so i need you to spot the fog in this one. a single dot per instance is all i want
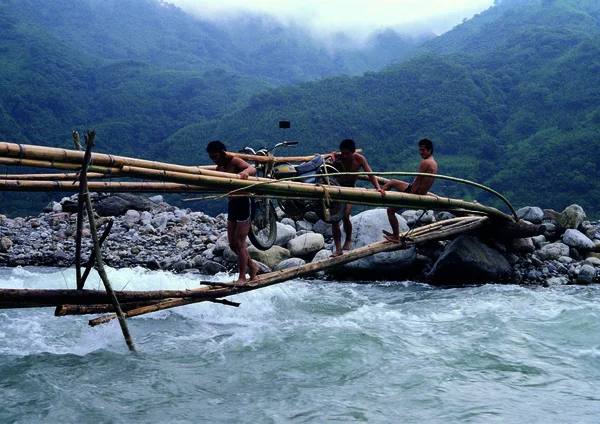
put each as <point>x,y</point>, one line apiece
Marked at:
<point>355,18</point>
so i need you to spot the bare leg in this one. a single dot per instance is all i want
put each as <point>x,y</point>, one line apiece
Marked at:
<point>337,239</point>
<point>395,237</point>
<point>238,245</point>
<point>347,228</point>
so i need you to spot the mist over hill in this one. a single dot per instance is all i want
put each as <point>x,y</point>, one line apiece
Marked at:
<point>510,97</point>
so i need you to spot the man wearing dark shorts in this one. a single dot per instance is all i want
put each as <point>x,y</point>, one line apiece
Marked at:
<point>348,161</point>
<point>420,185</point>
<point>238,209</point>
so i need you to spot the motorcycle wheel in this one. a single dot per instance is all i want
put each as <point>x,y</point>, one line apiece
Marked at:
<point>263,224</point>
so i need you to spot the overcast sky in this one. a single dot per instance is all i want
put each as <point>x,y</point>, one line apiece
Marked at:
<point>351,16</point>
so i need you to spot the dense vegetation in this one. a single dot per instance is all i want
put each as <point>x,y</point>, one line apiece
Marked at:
<point>511,98</point>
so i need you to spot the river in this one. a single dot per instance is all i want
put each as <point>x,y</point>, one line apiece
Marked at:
<point>307,351</point>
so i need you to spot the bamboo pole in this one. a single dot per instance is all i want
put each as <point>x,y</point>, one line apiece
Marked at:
<point>49,164</point>
<point>102,186</point>
<point>54,177</point>
<point>80,200</point>
<point>99,262</point>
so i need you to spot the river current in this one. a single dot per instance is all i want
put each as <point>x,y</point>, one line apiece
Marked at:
<point>307,351</point>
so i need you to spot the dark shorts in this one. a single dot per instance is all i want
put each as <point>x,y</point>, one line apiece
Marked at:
<point>407,189</point>
<point>238,209</point>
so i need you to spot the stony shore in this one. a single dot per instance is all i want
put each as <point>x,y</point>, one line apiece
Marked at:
<point>150,233</point>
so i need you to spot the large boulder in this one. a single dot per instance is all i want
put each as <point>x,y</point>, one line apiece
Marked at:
<point>119,204</point>
<point>552,251</point>
<point>571,217</point>
<point>578,240</point>
<point>467,260</point>
<point>284,234</point>
<point>271,257</point>
<point>367,228</point>
<point>306,244</point>
<point>532,214</point>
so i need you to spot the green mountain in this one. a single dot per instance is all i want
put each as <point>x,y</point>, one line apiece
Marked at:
<point>510,98</point>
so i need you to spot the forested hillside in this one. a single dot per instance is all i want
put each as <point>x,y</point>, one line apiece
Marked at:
<point>138,71</point>
<point>510,98</point>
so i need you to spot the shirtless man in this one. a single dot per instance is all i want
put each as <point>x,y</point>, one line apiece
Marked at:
<point>420,185</point>
<point>238,209</point>
<point>348,161</point>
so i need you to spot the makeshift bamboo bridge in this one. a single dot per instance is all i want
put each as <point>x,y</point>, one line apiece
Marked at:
<point>96,172</point>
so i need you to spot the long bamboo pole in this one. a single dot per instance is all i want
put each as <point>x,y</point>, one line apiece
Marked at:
<point>102,186</point>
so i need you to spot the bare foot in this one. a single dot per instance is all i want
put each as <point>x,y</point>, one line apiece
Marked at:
<point>392,238</point>
<point>240,282</point>
<point>253,271</point>
<point>336,254</point>
<point>347,245</point>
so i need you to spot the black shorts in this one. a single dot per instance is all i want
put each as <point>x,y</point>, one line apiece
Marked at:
<point>407,189</point>
<point>238,209</point>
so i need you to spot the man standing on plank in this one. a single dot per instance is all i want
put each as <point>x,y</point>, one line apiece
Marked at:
<point>348,161</point>
<point>238,209</point>
<point>420,185</point>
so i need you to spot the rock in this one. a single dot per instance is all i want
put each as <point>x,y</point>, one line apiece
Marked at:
<point>321,254</point>
<point>532,214</point>
<point>593,261</point>
<point>552,251</point>
<point>160,220</point>
<point>306,244</point>
<point>262,268</point>
<point>271,257</point>
<point>303,225</point>
<point>578,240</point>
<point>522,245</point>
<point>571,217</point>
<point>131,216</point>
<point>311,217</point>
<point>556,281</point>
<point>288,221</point>
<point>367,229</point>
<point>179,266</point>
<point>212,268</point>
<point>467,260</point>
<point>413,217</point>
<point>146,218</point>
<point>587,275</point>
<point>118,204</point>
<point>289,263</point>
<point>284,234</point>
<point>5,244</point>
<point>324,228</point>
<point>221,244</point>
<point>229,255</point>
